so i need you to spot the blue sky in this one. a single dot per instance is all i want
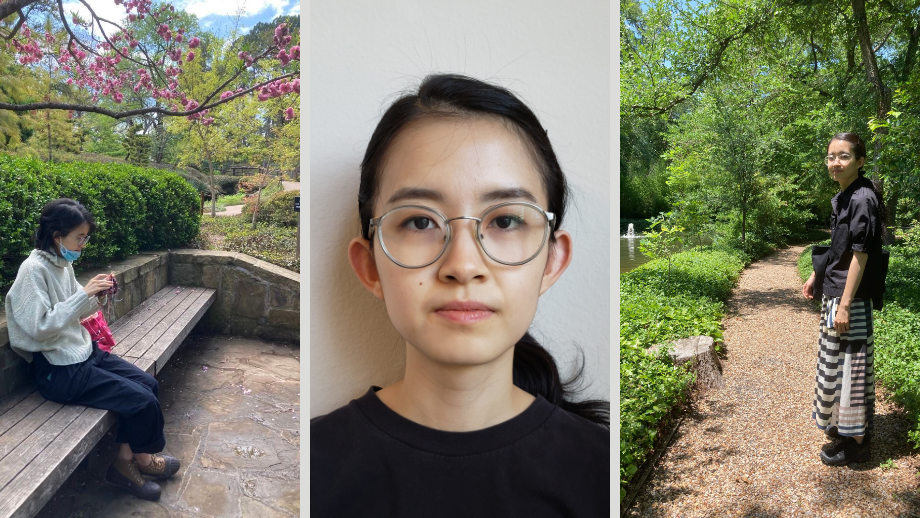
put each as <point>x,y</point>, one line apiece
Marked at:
<point>217,16</point>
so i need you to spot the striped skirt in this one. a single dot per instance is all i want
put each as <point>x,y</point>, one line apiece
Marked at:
<point>845,379</point>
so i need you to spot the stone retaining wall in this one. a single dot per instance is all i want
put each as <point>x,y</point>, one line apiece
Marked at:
<point>254,298</point>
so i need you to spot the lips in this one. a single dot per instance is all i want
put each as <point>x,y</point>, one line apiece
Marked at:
<point>464,311</point>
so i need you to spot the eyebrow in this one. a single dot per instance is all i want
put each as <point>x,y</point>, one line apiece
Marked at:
<point>511,193</point>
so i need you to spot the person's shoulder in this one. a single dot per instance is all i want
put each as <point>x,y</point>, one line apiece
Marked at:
<point>338,426</point>
<point>580,432</point>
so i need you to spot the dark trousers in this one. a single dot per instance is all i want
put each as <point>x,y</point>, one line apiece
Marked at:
<point>108,382</point>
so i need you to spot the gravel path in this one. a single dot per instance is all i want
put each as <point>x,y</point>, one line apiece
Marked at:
<point>751,448</point>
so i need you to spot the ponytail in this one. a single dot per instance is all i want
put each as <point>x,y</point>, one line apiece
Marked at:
<point>535,371</point>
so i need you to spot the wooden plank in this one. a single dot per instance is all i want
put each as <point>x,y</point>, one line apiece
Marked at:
<point>21,430</point>
<point>175,335</point>
<point>154,301</point>
<point>25,495</point>
<point>14,398</point>
<point>20,411</point>
<point>154,334</point>
<point>124,342</point>
<point>36,442</point>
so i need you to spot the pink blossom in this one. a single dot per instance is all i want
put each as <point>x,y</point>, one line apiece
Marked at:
<point>190,56</point>
<point>295,52</point>
<point>289,113</point>
<point>193,43</point>
<point>283,57</point>
<point>226,94</point>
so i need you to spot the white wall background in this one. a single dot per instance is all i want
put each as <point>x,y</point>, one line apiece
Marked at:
<point>363,54</point>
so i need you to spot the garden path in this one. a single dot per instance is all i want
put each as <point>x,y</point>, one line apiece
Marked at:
<point>751,448</point>
<point>234,210</point>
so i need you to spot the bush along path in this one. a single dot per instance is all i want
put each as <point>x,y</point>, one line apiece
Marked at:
<point>751,448</point>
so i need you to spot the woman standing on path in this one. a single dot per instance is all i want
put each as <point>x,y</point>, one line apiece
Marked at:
<point>845,381</point>
<point>44,308</point>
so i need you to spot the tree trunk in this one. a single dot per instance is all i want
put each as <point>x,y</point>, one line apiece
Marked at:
<point>882,92</point>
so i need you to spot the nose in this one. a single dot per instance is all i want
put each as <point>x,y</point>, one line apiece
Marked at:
<point>464,260</point>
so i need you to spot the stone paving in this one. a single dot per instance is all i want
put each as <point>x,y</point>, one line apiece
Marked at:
<point>232,408</point>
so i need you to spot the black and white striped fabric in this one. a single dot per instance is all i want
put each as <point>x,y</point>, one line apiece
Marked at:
<point>845,379</point>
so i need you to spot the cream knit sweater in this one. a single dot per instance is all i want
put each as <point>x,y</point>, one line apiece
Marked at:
<point>44,308</point>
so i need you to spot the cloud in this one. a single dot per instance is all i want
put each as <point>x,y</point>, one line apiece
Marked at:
<point>202,8</point>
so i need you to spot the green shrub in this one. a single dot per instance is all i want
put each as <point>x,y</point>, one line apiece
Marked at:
<point>279,209</point>
<point>655,308</point>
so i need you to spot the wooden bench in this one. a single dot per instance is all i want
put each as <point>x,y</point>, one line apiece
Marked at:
<point>42,442</point>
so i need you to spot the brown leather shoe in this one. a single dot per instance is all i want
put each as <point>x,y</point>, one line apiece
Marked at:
<point>124,474</point>
<point>160,467</point>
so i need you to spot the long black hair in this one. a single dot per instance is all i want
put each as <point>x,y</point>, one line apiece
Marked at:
<point>57,219</point>
<point>859,151</point>
<point>450,95</point>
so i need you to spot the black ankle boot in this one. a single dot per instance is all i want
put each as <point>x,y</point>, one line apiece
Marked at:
<point>850,452</point>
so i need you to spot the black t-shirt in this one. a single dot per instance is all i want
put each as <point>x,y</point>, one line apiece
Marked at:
<point>856,225</point>
<point>367,460</point>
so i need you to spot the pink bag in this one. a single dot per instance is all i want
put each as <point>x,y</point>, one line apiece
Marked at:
<point>99,331</point>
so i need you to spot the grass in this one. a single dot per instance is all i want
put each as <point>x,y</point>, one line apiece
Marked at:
<point>271,243</point>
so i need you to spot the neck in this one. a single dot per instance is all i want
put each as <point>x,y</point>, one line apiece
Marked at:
<point>846,182</point>
<point>456,398</point>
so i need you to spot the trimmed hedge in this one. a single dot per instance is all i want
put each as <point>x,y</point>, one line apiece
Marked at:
<point>897,326</point>
<point>135,208</point>
<point>658,304</point>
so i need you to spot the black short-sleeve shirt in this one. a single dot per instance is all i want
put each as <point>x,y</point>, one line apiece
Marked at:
<point>856,225</point>
<point>368,461</point>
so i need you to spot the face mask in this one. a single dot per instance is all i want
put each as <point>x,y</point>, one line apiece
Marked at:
<point>69,255</point>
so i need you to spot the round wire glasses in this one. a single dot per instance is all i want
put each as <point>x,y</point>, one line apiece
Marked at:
<point>510,233</point>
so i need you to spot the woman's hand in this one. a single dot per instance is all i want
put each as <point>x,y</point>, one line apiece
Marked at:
<point>842,319</point>
<point>98,284</point>
<point>808,290</point>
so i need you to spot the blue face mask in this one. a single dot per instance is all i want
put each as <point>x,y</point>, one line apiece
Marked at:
<point>69,255</point>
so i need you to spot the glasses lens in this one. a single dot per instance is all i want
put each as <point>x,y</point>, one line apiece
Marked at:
<point>412,236</point>
<point>513,233</point>
<point>83,240</point>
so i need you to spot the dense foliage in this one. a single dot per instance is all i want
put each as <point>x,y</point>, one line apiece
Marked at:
<point>658,305</point>
<point>727,108</point>
<point>272,243</point>
<point>135,208</point>
<point>897,326</point>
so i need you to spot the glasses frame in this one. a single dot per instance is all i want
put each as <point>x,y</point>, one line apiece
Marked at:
<point>83,240</point>
<point>830,159</point>
<point>548,218</point>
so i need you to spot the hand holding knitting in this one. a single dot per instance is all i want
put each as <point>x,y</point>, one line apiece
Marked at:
<point>98,284</point>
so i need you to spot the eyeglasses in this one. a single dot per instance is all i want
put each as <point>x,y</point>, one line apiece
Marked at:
<point>83,240</point>
<point>415,236</point>
<point>843,157</point>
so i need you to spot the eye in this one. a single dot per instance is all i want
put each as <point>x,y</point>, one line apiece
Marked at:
<point>507,222</point>
<point>418,223</point>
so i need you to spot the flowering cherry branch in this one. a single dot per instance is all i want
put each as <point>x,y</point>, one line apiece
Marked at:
<point>107,60</point>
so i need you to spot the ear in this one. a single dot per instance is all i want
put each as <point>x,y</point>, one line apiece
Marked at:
<point>861,162</point>
<point>560,255</point>
<point>362,262</point>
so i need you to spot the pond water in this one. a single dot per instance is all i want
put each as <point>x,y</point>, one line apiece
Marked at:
<point>630,256</point>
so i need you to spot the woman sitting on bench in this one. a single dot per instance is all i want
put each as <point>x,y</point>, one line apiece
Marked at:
<point>44,308</point>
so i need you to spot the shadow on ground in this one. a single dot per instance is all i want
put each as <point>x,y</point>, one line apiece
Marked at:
<point>232,413</point>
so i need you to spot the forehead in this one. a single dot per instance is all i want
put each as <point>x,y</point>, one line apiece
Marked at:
<point>840,146</point>
<point>462,159</point>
